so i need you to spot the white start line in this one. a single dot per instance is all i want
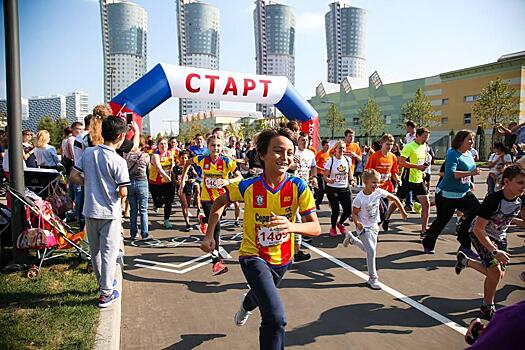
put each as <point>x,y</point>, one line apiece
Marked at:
<point>446,321</point>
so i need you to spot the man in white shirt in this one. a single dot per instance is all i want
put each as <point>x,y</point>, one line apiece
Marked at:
<point>410,127</point>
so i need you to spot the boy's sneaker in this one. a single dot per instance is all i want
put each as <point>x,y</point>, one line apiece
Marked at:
<point>461,262</point>
<point>428,250</point>
<point>333,232</point>
<point>374,283</point>
<point>522,276</point>
<point>342,229</point>
<point>167,224</point>
<point>301,256</point>
<point>188,228</point>
<point>349,239</point>
<point>487,311</point>
<point>156,210</point>
<point>107,300</point>
<point>385,224</point>
<point>473,331</point>
<point>218,268</point>
<point>241,316</point>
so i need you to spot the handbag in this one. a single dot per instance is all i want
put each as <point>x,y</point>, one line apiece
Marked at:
<point>36,238</point>
<point>60,201</point>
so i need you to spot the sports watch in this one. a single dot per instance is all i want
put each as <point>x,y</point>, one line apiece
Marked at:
<point>494,252</point>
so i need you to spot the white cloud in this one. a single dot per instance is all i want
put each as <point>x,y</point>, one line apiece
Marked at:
<point>309,21</point>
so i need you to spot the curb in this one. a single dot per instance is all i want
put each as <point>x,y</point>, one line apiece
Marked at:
<point>108,330</point>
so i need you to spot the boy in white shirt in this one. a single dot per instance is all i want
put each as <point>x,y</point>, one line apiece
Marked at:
<point>365,214</point>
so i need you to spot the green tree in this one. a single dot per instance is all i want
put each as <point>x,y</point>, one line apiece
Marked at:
<point>371,120</point>
<point>482,143</point>
<point>60,125</point>
<point>497,104</point>
<point>419,110</point>
<point>334,119</point>
<point>260,125</point>
<point>47,123</point>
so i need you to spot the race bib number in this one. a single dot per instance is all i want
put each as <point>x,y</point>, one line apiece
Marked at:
<point>384,177</point>
<point>465,180</point>
<point>212,183</point>
<point>268,237</point>
<point>341,178</point>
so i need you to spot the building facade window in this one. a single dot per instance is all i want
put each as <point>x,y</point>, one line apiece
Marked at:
<point>467,118</point>
<point>444,120</point>
<point>355,120</point>
<point>444,101</point>
<point>471,98</point>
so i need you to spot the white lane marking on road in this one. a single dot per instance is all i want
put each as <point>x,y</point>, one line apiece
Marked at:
<point>224,253</point>
<point>173,265</point>
<point>391,291</point>
<point>196,266</point>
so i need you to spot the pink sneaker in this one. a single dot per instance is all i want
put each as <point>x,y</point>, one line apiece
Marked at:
<point>333,232</point>
<point>218,268</point>
<point>342,228</point>
<point>203,228</point>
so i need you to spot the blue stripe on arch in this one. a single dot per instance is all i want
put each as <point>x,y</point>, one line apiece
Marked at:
<point>294,106</point>
<point>145,94</point>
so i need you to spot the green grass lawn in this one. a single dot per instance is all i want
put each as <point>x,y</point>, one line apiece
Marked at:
<point>57,310</point>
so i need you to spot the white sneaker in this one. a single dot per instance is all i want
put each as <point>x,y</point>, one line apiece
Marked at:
<point>374,283</point>
<point>349,239</point>
<point>156,210</point>
<point>242,315</point>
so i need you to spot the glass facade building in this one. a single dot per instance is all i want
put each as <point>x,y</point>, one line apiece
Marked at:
<point>124,39</point>
<point>274,42</point>
<point>345,42</point>
<point>198,38</point>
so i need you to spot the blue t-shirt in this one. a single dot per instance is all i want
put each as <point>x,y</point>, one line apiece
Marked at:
<point>521,135</point>
<point>456,161</point>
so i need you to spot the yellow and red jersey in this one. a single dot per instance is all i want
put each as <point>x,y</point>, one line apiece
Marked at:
<point>386,166</point>
<point>260,201</point>
<point>167,161</point>
<point>222,168</point>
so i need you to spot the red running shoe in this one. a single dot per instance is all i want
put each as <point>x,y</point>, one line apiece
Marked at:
<point>218,268</point>
<point>341,228</point>
<point>473,331</point>
<point>333,232</point>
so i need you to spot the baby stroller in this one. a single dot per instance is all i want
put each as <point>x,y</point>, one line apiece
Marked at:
<point>47,233</point>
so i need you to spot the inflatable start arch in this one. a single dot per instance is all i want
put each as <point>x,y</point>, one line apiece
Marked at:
<point>165,81</point>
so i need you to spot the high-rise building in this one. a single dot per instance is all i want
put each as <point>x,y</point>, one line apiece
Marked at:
<point>345,42</point>
<point>274,42</point>
<point>77,106</point>
<point>198,38</point>
<point>124,42</point>
<point>3,111</point>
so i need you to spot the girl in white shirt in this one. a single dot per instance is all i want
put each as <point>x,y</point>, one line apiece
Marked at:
<point>365,213</point>
<point>337,172</point>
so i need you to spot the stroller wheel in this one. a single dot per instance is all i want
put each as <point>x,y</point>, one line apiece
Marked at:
<point>33,272</point>
<point>89,267</point>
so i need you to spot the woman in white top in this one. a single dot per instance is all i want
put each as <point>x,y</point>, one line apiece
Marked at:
<point>337,175</point>
<point>497,163</point>
<point>46,155</point>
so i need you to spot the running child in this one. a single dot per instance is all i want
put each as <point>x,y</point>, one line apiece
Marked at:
<point>216,169</point>
<point>189,187</point>
<point>365,212</point>
<point>271,203</point>
<point>488,233</point>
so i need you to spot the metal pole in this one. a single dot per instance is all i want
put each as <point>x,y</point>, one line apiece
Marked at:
<point>14,121</point>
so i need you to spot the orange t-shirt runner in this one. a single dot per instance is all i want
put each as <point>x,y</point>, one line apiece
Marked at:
<point>353,148</point>
<point>320,159</point>
<point>386,166</point>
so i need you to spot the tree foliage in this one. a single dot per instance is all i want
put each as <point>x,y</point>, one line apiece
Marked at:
<point>55,129</point>
<point>419,110</point>
<point>497,103</point>
<point>334,120</point>
<point>371,120</point>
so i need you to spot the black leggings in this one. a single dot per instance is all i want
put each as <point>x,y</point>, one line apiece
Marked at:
<point>338,196</point>
<point>446,207</point>
<point>320,190</point>
<point>163,195</point>
<point>206,206</point>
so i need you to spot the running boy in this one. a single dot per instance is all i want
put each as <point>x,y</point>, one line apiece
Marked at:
<point>365,212</point>
<point>488,233</point>
<point>216,169</point>
<point>104,175</point>
<point>188,189</point>
<point>271,203</point>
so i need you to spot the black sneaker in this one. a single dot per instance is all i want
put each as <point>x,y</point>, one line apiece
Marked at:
<point>422,235</point>
<point>187,229</point>
<point>307,239</point>
<point>460,257</point>
<point>487,311</point>
<point>385,224</point>
<point>301,256</point>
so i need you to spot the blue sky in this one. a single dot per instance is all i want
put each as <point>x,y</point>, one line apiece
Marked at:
<point>61,48</point>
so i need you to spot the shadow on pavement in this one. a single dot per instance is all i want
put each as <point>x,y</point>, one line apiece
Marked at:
<point>190,341</point>
<point>368,317</point>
